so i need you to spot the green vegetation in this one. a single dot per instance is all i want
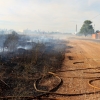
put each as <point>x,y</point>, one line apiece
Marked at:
<point>86,28</point>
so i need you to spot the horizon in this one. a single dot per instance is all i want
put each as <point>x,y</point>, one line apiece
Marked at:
<point>48,15</point>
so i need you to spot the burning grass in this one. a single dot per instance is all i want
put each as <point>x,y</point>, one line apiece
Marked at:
<point>20,68</point>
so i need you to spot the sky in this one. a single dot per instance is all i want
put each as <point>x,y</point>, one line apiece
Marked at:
<point>48,15</point>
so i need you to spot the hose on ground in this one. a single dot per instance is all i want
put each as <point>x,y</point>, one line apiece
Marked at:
<point>51,91</point>
<point>62,94</point>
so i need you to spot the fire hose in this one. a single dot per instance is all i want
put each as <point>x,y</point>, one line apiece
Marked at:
<point>51,91</point>
<point>64,94</point>
<point>90,84</point>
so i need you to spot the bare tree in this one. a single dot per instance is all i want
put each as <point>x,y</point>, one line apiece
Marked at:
<point>11,41</point>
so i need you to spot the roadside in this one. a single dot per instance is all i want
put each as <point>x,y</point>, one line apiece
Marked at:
<point>81,64</point>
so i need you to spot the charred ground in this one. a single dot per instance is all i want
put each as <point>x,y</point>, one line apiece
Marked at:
<point>20,67</point>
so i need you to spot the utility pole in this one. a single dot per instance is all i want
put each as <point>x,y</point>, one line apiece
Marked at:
<point>76,28</point>
<point>94,27</point>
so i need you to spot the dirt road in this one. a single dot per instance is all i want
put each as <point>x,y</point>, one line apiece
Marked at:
<point>81,66</point>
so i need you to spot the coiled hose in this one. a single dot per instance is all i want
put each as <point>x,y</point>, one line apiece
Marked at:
<point>51,91</point>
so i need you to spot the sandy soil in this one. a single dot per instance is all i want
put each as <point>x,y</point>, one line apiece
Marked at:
<point>81,64</point>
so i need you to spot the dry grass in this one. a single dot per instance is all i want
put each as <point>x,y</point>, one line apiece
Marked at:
<point>20,69</point>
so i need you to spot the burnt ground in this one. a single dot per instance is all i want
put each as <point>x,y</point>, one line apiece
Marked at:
<point>80,67</point>
<point>21,68</point>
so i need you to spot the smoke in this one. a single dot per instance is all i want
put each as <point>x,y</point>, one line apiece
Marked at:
<point>27,42</point>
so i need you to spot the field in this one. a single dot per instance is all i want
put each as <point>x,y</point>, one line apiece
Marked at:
<point>20,68</point>
<point>57,70</point>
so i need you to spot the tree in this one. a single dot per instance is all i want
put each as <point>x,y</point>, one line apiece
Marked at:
<point>97,31</point>
<point>11,41</point>
<point>86,28</point>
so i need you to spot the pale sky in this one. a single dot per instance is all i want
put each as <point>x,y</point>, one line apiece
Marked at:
<point>48,15</point>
